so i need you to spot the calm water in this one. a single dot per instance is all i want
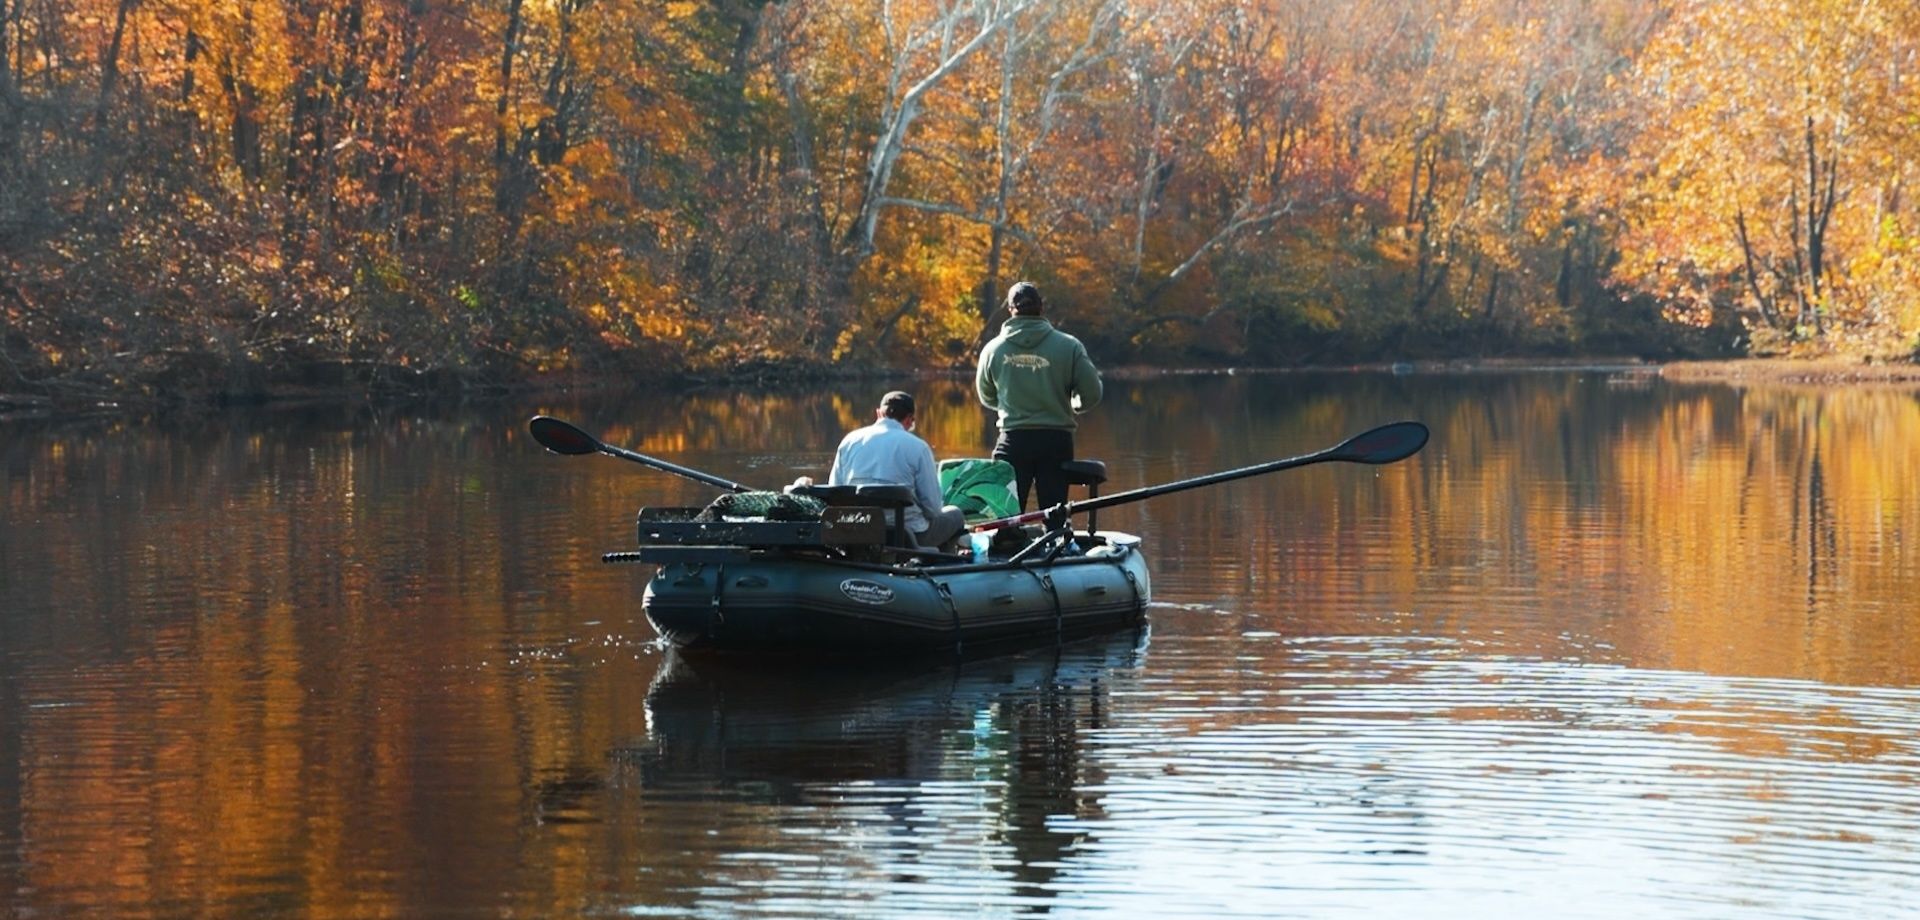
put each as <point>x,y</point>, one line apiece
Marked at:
<point>1608,647</point>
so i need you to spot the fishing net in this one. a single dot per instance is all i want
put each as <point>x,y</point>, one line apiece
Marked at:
<point>768,506</point>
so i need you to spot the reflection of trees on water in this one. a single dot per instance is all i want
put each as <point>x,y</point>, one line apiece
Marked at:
<point>343,651</point>
<point>1048,775</point>
<point>12,814</point>
<point>903,736</point>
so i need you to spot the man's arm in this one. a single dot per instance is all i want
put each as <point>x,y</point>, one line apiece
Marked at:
<point>983,385</point>
<point>926,483</point>
<point>837,475</point>
<point>1086,379</point>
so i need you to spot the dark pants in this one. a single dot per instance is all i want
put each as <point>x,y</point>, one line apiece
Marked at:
<point>1036,455</point>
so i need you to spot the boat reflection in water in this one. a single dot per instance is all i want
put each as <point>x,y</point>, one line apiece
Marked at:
<point>892,769</point>
<point>785,725</point>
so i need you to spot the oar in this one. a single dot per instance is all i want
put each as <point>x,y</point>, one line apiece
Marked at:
<point>1384,444</point>
<point>562,438</point>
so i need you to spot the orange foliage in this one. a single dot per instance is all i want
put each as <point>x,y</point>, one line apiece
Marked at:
<point>218,194</point>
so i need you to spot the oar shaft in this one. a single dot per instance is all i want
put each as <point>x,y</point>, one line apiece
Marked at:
<point>1145,492</point>
<point>1385,444</point>
<point>1069,508</point>
<point>673,468</point>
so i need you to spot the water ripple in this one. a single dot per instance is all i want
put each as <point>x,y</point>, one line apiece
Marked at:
<point>1370,764</point>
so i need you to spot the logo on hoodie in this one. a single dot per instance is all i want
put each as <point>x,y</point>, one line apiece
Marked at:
<point>1029,362</point>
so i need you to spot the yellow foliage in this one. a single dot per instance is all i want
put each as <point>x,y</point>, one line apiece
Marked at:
<point>1755,154</point>
<point>823,180</point>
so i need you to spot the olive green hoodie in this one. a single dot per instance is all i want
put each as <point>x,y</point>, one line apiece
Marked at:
<point>1036,376</point>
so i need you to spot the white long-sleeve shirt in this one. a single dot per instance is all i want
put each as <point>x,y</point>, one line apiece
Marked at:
<point>885,452</point>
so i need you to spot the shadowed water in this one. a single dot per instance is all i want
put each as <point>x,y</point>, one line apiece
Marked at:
<point>1607,647</point>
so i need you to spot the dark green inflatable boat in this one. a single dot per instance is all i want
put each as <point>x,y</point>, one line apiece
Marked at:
<point>833,569</point>
<point>838,577</point>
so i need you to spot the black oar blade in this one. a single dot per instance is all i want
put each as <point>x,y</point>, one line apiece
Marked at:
<point>1385,444</point>
<point>562,438</point>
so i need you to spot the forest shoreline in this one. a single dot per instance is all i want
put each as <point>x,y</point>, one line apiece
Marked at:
<point>1783,371</point>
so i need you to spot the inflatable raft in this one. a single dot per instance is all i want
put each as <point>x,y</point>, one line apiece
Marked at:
<point>846,581</point>
<point>833,568</point>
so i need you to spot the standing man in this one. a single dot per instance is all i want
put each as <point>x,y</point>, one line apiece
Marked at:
<point>888,451</point>
<point>1038,378</point>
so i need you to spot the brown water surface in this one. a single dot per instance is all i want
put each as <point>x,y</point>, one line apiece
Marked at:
<point>1609,646</point>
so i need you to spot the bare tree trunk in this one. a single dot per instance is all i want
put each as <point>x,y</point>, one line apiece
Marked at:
<point>1003,187</point>
<point>1563,279</point>
<point>1154,173</point>
<point>1413,180</point>
<point>725,172</point>
<point>836,287</point>
<point>1820,204</point>
<point>1797,283</point>
<point>1517,164</point>
<point>508,47</point>
<point>990,284</point>
<point>1153,180</point>
<point>307,122</point>
<point>191,56</point>
<point>400,122</point>
<point>243,132</point>
<point>8,12</point>
<point>1760,300</point>
<point>552,135</point>
<point>898,121</point>
<point>346,91</point>
<point>110,66</point>
<point>800,126</point>
<point>886,327</point>
<point>9,89</point>
<point>1424,245</point>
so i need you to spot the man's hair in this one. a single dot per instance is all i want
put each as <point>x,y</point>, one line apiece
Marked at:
<point>1023,298</point>
<point>897,405</point>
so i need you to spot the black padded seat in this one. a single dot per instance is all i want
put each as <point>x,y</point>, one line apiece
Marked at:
<point>1085,472</point>
<point>832,495</point>
<point>1089,473</point>
<point>886,495</point>
<point>894,499</point>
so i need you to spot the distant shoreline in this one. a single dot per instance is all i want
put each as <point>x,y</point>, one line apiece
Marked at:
<point>1793,371</point>
<point>1736,371</point>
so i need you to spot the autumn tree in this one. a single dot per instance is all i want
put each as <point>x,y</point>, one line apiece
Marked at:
<point>890,72</point>
<point>235,195</point>
<point>1772,173</point>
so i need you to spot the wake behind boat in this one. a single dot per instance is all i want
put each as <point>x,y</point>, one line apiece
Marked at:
<point>830,568</point>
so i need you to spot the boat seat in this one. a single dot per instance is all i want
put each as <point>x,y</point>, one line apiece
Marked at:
<point>1089,473</point>
<point>838,496</point>
<point>1085,472</point>
<point>895,499</point>
<point>885,495</point>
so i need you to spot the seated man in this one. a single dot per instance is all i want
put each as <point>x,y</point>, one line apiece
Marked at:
<point>888,451</point>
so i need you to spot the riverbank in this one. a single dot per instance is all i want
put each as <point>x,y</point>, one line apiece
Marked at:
<point>1793,371</point>
<point>1743,371</point>
<point>324,382</point>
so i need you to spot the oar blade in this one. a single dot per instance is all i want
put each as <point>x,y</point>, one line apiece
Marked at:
<point>1385,444</point>
<point>562,438</point>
